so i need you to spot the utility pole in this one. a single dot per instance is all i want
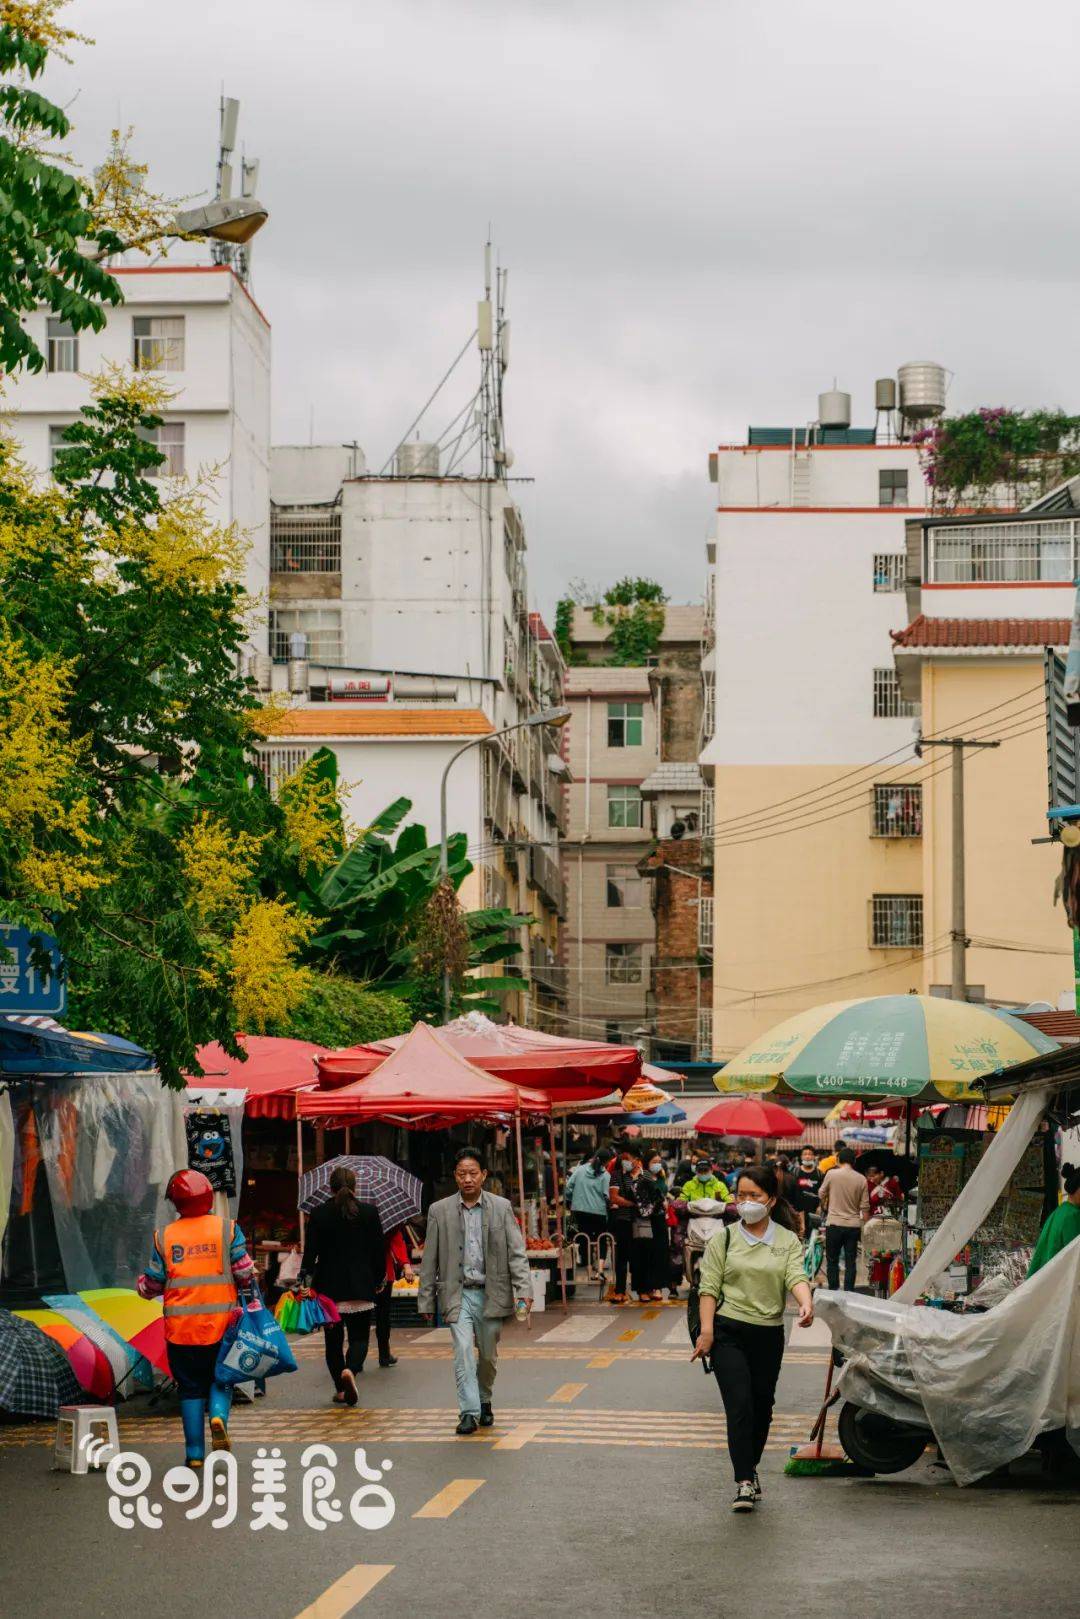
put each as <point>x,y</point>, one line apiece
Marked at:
<point>958,933</point>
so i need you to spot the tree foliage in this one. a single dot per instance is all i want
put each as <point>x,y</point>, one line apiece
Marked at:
<point>337,1011</point>
<point>989,454</point>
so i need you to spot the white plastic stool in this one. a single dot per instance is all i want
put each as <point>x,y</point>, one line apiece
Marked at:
<point>86,1437</point>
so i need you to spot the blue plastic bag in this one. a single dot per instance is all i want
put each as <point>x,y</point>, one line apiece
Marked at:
<point>253,1347</point>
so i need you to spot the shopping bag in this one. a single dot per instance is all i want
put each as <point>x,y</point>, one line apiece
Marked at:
<point>289,1268</point>
<point>254,1346</point>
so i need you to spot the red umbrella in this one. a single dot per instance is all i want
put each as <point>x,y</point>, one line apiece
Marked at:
<point>746,1116</point>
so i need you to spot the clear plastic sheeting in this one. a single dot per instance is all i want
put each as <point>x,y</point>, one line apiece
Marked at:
<point>7,1158</point>
<point>984,1385</point>
<point>109,1143</point>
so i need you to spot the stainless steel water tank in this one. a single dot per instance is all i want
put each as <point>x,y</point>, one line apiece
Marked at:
<point>418,461</point>
<point>885,393</point>
<point>922,389</point>
<point>834,408</point>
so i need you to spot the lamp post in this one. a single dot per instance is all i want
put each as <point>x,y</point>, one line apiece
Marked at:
<point>546,716</point>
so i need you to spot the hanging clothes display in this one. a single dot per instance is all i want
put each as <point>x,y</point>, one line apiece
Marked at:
<point>210,1147</point>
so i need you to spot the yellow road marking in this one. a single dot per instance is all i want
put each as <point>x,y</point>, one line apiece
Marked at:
<point>517,1437</point>
<point>629,1336</point>
<point>650,1315</point>
<point>568,1392</point>
<point>449,1499</point>
<point>601,1362</point>
<point>341,1597</point>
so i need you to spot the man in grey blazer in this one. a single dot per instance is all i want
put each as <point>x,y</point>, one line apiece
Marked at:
<point>474,1262</point>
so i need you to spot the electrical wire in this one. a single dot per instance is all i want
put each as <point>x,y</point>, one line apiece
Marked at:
<point>419,418</point>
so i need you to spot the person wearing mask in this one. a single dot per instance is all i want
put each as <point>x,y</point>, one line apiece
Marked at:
<point>746,1274</point>
<point>1063,1226</point>
<point>197,1264</point>
<point>845,1203</point>
<point>648,1231</point>
<point>345,1258</point>
<point>621,1206</point>
<point>475,1263</point>
<point>587,1197</point>
<point>808,1182</point>
<point>705,1182</point>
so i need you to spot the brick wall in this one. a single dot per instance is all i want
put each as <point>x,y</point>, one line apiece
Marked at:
<point>676,975</point>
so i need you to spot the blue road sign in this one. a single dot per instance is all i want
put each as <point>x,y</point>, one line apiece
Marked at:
<point>25,985</point>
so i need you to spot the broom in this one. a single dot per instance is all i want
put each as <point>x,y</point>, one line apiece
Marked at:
<point>816,1459</point>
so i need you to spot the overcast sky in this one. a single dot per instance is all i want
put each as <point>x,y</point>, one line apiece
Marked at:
<point>708,209</point>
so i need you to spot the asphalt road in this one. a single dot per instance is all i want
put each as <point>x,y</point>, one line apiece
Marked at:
<point>603,1490</point>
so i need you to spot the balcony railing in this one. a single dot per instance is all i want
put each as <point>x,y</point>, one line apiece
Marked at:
<point>705,923</point>
<point>1004,553</point>
<point>305,539</point>
<point>704,1034</point>
<point>544,969</point>
<point>545,875</point>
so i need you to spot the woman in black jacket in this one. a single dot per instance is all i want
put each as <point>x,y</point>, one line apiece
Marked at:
<point>345,1258</point>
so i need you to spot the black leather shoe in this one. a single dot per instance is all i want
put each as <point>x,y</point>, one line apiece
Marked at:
<point>467,1423</point>
<point>387,1360</point>
<point>487,1416</point>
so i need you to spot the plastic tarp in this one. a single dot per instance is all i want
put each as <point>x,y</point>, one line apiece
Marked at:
<point>109,1143</point>
<point>7,1159</point>
<point>979,1195</point>
<point>986,1385</point>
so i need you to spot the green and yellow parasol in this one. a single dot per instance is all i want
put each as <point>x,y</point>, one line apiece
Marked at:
<point>887,1045</point>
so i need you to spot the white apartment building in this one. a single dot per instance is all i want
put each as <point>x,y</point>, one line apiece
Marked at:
<point>198,327</point>
<point>408,595</point>
<point>817,890</point>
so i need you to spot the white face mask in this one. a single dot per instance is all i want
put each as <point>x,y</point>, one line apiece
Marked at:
<point>654,1169</point>
<point>627,1163</point>
<point>751,1211</point>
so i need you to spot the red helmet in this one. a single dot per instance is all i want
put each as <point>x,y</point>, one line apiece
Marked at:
<point>190,1192</point>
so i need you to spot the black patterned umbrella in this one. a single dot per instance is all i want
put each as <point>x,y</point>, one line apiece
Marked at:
<point>395,1193</point>
<point>36,1378</point>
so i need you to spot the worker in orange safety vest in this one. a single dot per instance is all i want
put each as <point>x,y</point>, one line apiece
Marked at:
<point>198,1263</point>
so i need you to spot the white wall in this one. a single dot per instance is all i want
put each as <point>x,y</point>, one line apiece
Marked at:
<point>839,475</point>
<point>998,601</point>
<point>311,473</point>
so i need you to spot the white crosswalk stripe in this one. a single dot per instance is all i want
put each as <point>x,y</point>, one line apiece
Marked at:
<point>677,1333</point>
<point>578,1329</point>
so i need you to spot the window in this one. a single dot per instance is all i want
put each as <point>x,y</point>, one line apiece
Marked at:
<point>622,963</point>
<point>57,445</point>
<point>625,888</point>
<point>892,486</point>
<point>276,764</point>
<point>889,703</point>
<point>896,921</point>
<point>321,625</point>
<point>1002,553</point>
<point>159,342</point>
<point>624,724</point>
<point>890,568</point>
<point>624,806</point>
<point>897,811</point>
<point>168,440</point>
<point>305,540</point>
<point>63,346</point>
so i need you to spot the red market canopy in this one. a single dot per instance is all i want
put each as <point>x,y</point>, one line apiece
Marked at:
<point>425,1083</point>
<point>746,1116</point>
<point>566,1070</point>
<point>274,1071</point>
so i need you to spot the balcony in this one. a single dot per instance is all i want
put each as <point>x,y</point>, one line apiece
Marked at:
<point>1026,552</point>
<point>545,875</point>
<point>305,552</point>
<point>705,922</point>
<point>544,969</point>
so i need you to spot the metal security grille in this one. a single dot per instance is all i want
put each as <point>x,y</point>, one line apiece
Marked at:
<point>708,710</point>
<point>708,811</point>
<point>322,626</point>
<point>896,921</point>
<point>622,964</point>
<point>1002,553</point>
<point>889,570</point>
<point>889,704</point>
<point>704,1035</point>
<point>276,764</point>
<point>705,923</point>
<point>305,539</point>
<point>897,811</point>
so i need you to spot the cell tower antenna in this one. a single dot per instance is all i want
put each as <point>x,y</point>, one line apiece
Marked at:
<point>235,254</point>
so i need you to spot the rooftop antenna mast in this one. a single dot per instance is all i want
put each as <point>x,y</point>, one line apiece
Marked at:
<point>493,341</point>
<point>235,254</point>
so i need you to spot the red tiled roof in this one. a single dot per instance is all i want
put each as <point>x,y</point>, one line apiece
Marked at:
<point>1063,1026</point>
<point>538,629</point>
<point>982,632</point>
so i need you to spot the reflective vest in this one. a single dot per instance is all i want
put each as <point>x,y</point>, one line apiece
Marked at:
<point>199,1287</point>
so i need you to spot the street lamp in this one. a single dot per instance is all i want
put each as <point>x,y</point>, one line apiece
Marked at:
<point>546,716</point>
<point>226,219</point>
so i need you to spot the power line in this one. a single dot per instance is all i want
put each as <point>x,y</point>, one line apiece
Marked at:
<point>419,418</point>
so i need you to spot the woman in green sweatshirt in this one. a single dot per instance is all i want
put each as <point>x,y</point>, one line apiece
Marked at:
<point>1063,1225</point>
<point>747,1271</point>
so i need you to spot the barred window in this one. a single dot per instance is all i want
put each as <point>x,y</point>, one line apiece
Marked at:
<point>63,346</point>
<point>896,921</point>
<point>624,807</point>
<point>305,539</point>
<point>897,810</point>
<point>158,342</point>
<point>622,963</point>
<point>321,625</point>
<point>889,703</point>
<point>277,763</point>
<point>890,568</point>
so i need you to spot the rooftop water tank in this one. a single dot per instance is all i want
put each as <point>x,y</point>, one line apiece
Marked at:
<point>922,389</point>
<point>417,461</point>
<point>834,408</point>
<point>885,393</point>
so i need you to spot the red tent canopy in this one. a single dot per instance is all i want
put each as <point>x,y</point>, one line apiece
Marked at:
<point>274,1071</point>
<point>425,1083</point>
<point>567,1070</point>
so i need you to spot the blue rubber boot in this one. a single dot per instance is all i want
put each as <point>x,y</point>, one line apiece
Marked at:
<point>193,1417</point>
<point>220,1404</point>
